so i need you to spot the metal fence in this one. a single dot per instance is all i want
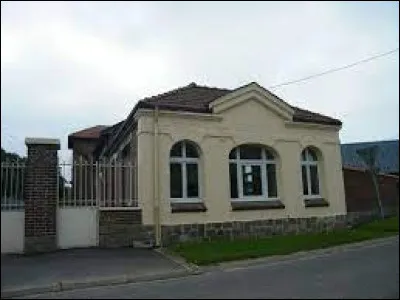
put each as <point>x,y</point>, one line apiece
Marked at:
<point>80,183</point>
<point>12,185</point>
<point>102,184</point>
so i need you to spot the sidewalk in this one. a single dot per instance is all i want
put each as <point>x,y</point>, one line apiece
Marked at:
<point>77,268</point>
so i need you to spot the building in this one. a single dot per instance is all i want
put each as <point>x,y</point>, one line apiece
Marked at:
<point>212,161</point>
<point>387,159</point>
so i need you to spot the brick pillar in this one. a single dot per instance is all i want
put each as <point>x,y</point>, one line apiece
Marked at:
<point>40,195</point>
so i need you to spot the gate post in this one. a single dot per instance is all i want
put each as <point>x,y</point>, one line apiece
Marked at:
<point>40,195</point>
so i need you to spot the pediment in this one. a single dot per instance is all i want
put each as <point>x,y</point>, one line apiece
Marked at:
<point>253,92</point>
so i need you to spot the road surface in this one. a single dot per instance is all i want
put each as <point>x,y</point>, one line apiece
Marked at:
<point>370,271</point>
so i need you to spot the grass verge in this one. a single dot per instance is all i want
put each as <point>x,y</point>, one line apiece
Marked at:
<point>215,251</point>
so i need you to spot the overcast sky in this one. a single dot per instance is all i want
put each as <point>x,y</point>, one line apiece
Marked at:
<point>67,66</point>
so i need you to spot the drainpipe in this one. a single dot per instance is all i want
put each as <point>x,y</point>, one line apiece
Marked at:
<point>156,182</point>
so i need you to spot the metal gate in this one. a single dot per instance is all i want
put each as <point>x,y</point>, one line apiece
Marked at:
<point>85,187</point>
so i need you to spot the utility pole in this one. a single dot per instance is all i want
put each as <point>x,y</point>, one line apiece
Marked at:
<point>369,156</point>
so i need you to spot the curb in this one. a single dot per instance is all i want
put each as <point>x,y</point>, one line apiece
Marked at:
<point>94,282</point>
<point>190,267</point>
<point>298,255</point>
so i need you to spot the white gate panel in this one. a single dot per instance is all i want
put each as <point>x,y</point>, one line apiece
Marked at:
<point>77,227</point>
<point>12,231</point>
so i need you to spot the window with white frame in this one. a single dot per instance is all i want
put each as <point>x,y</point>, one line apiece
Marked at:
<point>309,173</point>
<point>252,171</point>
<point>184,172</point>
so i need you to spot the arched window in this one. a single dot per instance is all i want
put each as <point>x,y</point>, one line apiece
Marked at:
<point>252,171</point>
<point>309,172</point>
<point>184,171</point>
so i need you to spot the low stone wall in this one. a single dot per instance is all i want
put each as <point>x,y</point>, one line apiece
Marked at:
<point>123,228</point>
<point>259,228</point>
<point>361,217</point>
<point>358,218</point>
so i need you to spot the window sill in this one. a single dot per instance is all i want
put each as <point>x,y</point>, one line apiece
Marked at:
<point>177,207</point>
<point>315,202</point>
<point>257,205</point>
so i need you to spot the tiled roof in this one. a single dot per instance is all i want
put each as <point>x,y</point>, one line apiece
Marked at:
<point>192,95</point>
<point>111,129</point>
<point>197,98</point>
<point>106,136</point>
<point>388,155</point>
<point>303,115</point>
<point>89,133</point>
<point>191,98</point>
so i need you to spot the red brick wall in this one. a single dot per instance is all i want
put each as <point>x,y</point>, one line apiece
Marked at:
<point>360,193</point>
<point>122,228</point>
<point>40,194</point>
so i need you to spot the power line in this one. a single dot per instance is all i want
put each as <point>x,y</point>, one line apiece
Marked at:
<point>335,69</point>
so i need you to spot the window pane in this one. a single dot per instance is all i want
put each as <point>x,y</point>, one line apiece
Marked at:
<point>233,180</point>
<point>176,150</point>
<point>271,178</point>
<point>314,180</point>
<point>191,150</point>
<point>192,180</point>
<point>252,184</point>
<point>269,155</point>
<point>311,155</point>
<point>250,152</point>
<point>176,180</point>
<point>232,154</point>
<point>303,155</point>
<point>304,176</point>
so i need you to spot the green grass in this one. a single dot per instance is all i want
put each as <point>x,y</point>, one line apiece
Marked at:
<point>211,252</point>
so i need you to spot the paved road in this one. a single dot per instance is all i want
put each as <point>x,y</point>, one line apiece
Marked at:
<point>366,272</point>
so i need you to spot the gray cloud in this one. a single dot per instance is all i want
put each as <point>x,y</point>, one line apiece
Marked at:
<point>68,65</point>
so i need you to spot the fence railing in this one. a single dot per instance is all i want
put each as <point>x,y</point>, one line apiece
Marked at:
<point>80,183</point>
<point>12,185</point>
<point>102,184</point>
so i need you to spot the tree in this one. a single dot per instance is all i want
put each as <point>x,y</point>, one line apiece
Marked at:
<point>12,181</point>
<point>11,157</point>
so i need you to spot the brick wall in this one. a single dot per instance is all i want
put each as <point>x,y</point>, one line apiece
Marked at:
<point>40,195</point>
<point>123,228</point>
<point>360,192</point>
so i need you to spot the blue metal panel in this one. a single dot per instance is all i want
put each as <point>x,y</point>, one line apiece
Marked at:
<point>388,155</point>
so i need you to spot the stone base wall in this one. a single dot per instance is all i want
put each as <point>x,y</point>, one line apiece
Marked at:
<point>264,228</point>
<point>40,244</point>
<point>259,228</point>
<point>123,228</point>
<point>361,217</point>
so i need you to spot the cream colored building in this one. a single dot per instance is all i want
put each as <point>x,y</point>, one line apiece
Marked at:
<point>208,156</point>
